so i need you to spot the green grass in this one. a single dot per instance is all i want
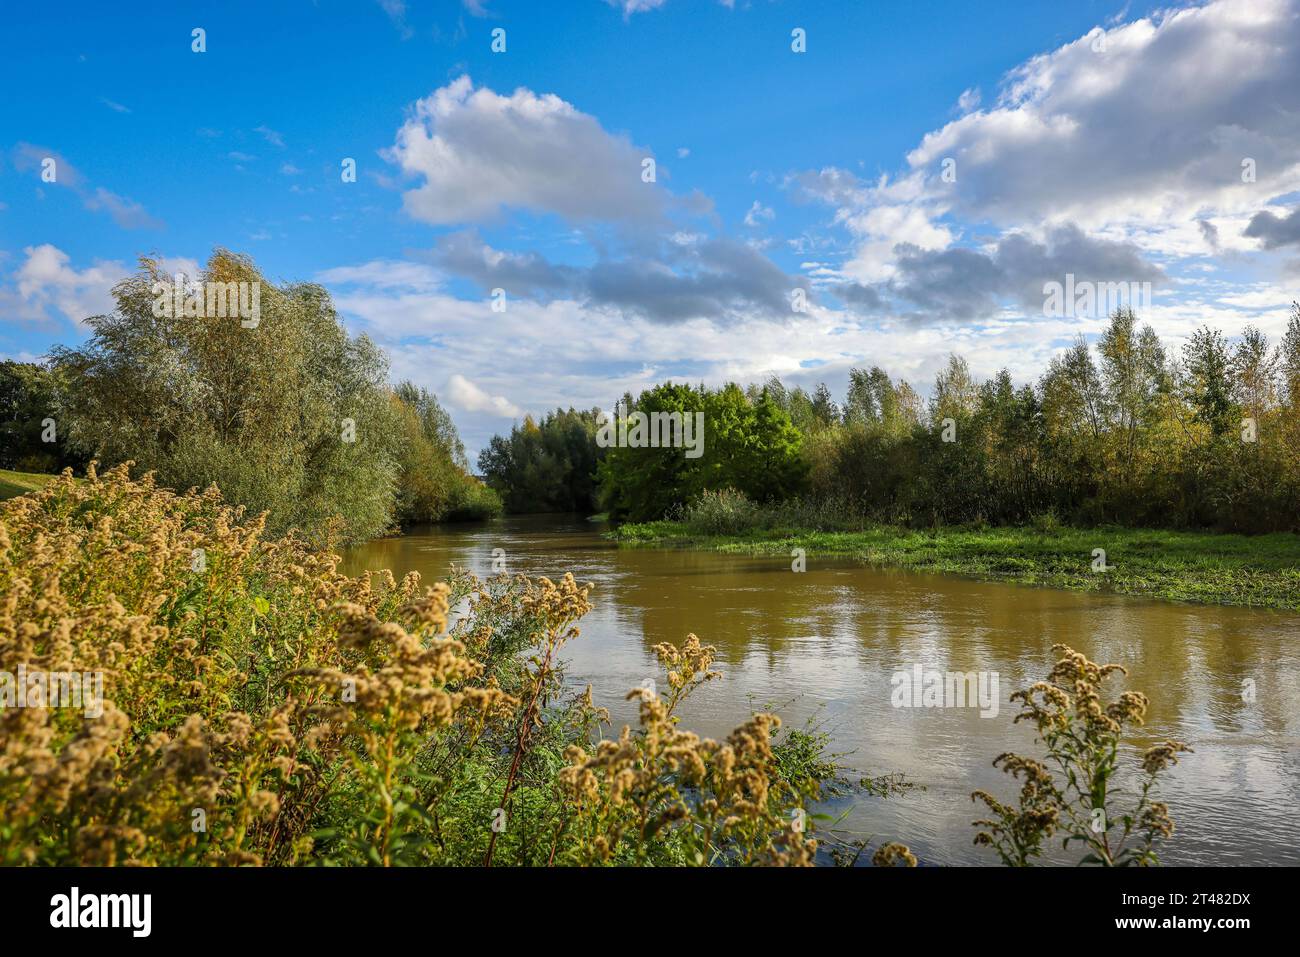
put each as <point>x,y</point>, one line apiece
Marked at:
<point>1260,571</point>
<point>20,483</point>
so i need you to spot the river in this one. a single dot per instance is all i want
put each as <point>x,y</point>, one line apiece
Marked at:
<point>823,644</point>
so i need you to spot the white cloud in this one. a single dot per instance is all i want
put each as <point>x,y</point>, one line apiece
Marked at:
<point>479,152</point>
<point>759,212</point>
<point>1151,129</point>
<point>45,279</point>
<point>462,392</point>
<point>968,100</point>
<point>384,274</point>
<point>630,7</point>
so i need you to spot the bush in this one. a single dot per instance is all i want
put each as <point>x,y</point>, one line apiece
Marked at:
<point>744,443</point>
<point>725,512</point>
<point>1046,523</point>
<point>729,512</point>
<point>471,500</point>
<point>259,707</point>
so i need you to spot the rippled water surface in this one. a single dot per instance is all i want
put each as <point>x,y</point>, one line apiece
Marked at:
<point>823,645</point>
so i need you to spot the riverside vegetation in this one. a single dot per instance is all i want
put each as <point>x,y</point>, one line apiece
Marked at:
<point>292,417</point>
<point>1151,454</point>
<point>262,708</point>
<point>1123,432</point>
<point>1213,568</point>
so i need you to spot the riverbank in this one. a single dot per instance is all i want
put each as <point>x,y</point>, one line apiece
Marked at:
<point>1261,571</point>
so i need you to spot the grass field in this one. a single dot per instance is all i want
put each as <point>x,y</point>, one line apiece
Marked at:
<point>19,483</point>
<point>1261,571</point>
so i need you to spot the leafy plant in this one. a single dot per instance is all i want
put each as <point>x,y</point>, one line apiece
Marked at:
<point>1078,790</point>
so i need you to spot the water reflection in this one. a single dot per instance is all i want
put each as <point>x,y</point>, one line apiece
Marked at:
<point>823,644</point>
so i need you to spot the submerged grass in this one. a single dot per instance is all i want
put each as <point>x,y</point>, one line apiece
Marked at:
<point>1219,569</point>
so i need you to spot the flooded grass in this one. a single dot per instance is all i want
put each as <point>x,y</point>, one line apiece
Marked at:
<point>1261,571</point>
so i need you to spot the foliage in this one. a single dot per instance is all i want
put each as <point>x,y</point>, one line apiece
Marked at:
<point>259,707</point>
<point>290,416</point>
<point>1082,735</point>
<point>433,482</point>
<point>748,444</point>
<point>29,404</point>
<point>724,512</point>
<point>1120,434</point>
<point>547,467</point>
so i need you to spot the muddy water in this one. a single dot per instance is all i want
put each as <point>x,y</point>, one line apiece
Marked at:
<point>822,645</point>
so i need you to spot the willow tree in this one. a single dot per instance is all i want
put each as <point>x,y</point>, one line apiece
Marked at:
<point>282,410</point>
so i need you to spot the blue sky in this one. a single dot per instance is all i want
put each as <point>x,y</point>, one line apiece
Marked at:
<point>1100,139</point>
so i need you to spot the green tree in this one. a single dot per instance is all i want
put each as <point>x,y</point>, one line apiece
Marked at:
<point>286,414</point>
<point>31,435</point>
<point>549,467</point>
<point>748,444</point>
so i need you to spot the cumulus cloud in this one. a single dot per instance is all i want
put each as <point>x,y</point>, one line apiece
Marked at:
<point>1148,120</point>
<point>716,279</point>
<point>689,277</point>
<point>1162,131</point>
<point>479,153</point>
<point>46,280</point>
<point>465,254</point>
<point>462,392</point>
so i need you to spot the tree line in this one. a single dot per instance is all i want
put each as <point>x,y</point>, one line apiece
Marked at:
<point>295,418</point>
<point>1121,431</point>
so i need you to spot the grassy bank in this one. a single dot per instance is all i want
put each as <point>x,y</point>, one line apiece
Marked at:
<point>1261,571</point>
<point>20,483</point>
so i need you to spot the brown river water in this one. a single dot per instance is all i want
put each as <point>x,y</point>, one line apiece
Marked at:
<point>824,644</point>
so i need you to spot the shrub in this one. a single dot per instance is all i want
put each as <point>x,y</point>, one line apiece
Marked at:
<point>725,512</point>
<point>1046,522</point>
<point>1082,736</point>
<point>259,707</point>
